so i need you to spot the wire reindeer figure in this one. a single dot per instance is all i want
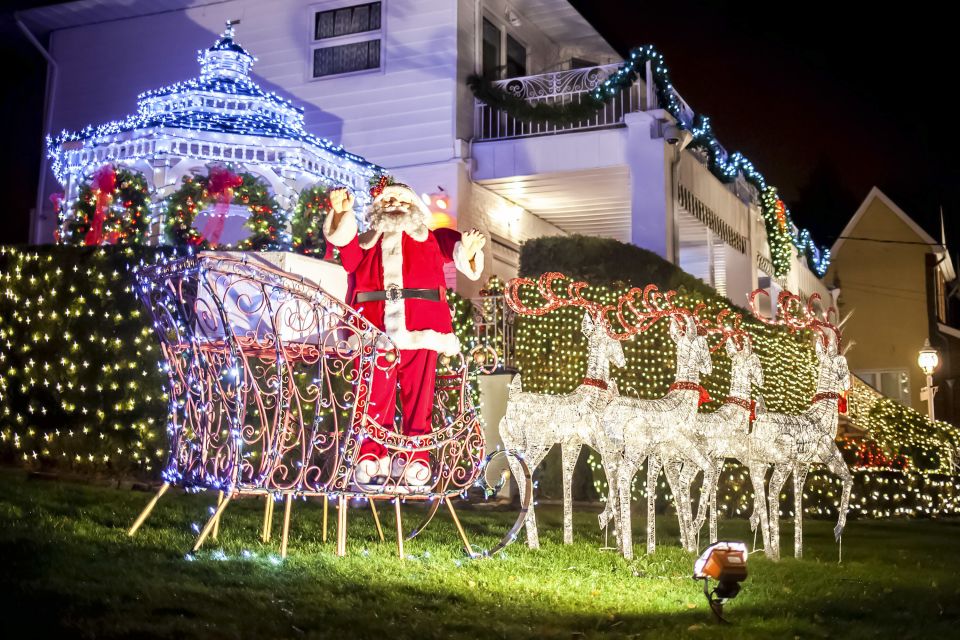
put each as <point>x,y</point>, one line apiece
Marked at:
<point>724,434</point>
<point>535,422</point>
<point>659,431</point>
<point>793,443</point>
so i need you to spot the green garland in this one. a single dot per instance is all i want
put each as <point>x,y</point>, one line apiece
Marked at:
<point>306,224</point>
<point>266,222</point>
<point>126,215</point>
<point>725,167</point>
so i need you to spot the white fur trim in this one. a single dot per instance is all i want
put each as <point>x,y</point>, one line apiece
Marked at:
<point>345,231</point>
<point>463,264</point>
<point>394,311</point>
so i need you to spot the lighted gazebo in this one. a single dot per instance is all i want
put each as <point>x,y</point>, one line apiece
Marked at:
<point>220,117</point>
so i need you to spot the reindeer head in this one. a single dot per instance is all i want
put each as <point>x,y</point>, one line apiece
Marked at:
<point>693,352</point>
<point>745,367</point>
<point>599,343</point>
<point>795,314</point>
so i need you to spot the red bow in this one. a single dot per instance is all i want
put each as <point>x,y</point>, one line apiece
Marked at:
<point>704,396</point>
<point>842,403</point>
<point>103,184</point>
<point>220,184</point>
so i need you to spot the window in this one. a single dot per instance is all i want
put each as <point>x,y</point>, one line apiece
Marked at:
<point>491,50</point>
<point>516,58</point>
<point>893,383</point>
<point>502,55</point>
<point>347,40</point>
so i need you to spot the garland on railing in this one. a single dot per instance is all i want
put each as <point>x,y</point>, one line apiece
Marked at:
<point>725,167</point>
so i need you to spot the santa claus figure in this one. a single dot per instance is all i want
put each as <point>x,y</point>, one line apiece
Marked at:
<point>399,287</point>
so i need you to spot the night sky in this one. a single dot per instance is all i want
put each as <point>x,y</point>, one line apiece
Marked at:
<point>826,104</point>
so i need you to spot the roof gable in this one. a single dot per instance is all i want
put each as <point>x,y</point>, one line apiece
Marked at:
<point>922,236</point>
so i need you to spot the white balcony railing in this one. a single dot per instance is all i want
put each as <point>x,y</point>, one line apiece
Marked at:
<point>561,87</point>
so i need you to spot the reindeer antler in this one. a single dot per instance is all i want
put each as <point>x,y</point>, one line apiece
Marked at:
<point>795,314</point>
<point>635,311</point>
<point>726,325</point>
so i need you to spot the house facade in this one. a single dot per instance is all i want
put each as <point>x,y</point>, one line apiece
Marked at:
<point>896,279</point>
<point>387,81</point>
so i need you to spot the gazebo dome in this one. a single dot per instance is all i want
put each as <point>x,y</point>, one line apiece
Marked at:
<point>219,117</point>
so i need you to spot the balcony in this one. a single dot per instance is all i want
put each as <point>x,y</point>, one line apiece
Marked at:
<point>564,87</point>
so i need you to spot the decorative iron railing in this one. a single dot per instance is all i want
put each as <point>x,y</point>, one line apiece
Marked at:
<point>560,87</point>
<point>493,323</point>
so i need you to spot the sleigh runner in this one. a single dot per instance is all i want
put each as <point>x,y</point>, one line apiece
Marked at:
<point>269,380</point>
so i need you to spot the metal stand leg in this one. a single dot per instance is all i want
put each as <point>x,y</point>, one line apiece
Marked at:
<point>342,526</point>
<point>456,521</point>
<point>396,508</point>
<point>376,520</point>
<point>147,509</point>
<point>216,524</point>
<point>207,528</point>
<point>286,526</point>
<point>326,502</point>
<point>267,519</point>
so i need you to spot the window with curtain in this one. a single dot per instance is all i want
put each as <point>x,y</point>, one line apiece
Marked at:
<point>347,39</point>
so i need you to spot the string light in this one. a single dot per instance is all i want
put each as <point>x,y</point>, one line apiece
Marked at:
<point>727,167</point>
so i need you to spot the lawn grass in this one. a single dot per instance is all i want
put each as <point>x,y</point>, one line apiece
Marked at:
<point>69,570</point>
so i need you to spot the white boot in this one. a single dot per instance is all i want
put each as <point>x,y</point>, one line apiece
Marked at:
<point>369,468</point>
<point>417,473</point>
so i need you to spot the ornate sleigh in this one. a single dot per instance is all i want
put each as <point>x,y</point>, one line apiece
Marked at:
<point>268,382</point>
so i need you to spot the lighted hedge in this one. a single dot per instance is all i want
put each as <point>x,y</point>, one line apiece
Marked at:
<point>80,387</point>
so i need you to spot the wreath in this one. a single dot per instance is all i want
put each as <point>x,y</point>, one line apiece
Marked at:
<point>112,208</point>
<point>217,190</point>
<point>306,224</point>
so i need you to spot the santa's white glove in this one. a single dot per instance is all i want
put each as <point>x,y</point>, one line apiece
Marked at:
<point>341,201</point>
<point>472,242</point>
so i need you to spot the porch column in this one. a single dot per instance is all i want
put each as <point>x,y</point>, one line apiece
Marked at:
<point>651,189</point>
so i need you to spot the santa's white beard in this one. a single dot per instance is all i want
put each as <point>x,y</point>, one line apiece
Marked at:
<point>404,217</point>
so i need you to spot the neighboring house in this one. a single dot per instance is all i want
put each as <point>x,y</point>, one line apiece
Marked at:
<point>896,279</point>
<point>387,81</point>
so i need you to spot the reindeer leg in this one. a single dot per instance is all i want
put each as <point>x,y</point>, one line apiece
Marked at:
<point>718,469</point>
<point>624,484</point>
<point>707,488</point>
<point>653,471</point>
<point>759,517</point>
<point>534,457</point>
<point>672,470</point>
<point>799,479</point>
<point>837,466</point>
<point>611,511</point>
<point>569,452</point>
<point>777,480</point>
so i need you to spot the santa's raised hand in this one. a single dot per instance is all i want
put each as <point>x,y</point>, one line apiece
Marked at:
<point>341,201</point>
<point>473,241</point>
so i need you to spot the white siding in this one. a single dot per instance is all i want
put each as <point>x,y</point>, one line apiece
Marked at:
<point>398,116</point>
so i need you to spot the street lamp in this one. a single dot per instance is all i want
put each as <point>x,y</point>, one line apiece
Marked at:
<point>929,360</point>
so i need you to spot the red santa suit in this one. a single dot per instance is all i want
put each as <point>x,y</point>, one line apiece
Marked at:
<point>388,260</point>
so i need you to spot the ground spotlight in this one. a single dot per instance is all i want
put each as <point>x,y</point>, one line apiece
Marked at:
<point>726,563</point>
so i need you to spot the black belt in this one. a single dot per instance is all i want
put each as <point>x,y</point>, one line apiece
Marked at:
<point>393,293</point>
